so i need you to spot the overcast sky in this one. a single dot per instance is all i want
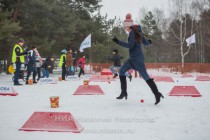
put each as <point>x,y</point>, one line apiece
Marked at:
<point>120,8</point>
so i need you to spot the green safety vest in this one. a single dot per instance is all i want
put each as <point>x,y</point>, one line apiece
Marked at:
<point>14,55</point>
<point>61,60</point>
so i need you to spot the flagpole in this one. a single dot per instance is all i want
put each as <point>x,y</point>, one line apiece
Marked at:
<point>90,58</point>
<point>86,43</point>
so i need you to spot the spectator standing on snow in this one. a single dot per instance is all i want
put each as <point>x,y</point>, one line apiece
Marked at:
<point>81,64</point>
<point>69,62</point>
<point>62,64</point>
<point>31,67</point>
<point>75,60</point>
<point>38,63</point>
<point>18,58</point>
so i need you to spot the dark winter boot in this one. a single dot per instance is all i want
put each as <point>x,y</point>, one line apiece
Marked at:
<point>27,77</point>
<point>123,88</point>
<point>154,89</point>
<point>115,75</point>
<point>34,77</point>
<point>17,84</point>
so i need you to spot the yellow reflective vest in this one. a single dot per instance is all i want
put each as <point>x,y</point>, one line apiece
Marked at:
<point>61,60</point>
<point>14,55</point>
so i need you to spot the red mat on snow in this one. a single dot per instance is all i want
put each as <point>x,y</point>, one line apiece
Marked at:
<point>103,78</point>
<point>185,91</point>
<point>52,122</point>
<point>185,75</point>
<point>163,79</point>
<point>89,90</point>
<point>106,72</point>
<point>202,78</point>
<point>7,90</point>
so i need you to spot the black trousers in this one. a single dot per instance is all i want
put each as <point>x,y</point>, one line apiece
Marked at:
<point>39,73</point>
<point>63,72</point>
<point>17,72</point>
<point>81,72</point>
<point>29,73</point>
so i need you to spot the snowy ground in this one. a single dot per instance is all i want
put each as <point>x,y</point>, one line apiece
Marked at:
<point>103,117</point>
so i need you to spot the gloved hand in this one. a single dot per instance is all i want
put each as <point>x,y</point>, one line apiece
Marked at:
<point>115,40</point>
<point>150,41</point>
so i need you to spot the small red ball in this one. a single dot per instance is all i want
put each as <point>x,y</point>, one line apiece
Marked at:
<point>142,100</point>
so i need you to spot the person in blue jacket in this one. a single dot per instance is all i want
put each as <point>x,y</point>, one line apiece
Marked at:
<point>136,58</point>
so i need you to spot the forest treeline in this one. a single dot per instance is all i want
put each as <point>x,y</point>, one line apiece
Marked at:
<point>53,25</point>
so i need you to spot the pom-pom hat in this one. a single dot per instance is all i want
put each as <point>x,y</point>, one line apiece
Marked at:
<point>128,20</point>
<point>63,51</point>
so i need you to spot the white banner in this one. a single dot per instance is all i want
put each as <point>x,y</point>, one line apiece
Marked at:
<point>47,81</point>
<point>190,40</point>
<point>7,90</point>
<point>70,78</point>
<point>86,43</point>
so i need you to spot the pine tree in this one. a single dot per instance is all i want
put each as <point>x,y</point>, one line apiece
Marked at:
<point>151,31</point>
<point>8,34</point>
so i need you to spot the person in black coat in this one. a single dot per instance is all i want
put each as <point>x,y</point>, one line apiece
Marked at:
<point>62,64</point>
<point>116,58</point>
<point>46,66</point>
<point>18,58</point>
<point>31,65</point>
<point>117,62</point>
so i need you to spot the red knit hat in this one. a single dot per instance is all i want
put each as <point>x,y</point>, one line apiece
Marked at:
<point>128,20</point>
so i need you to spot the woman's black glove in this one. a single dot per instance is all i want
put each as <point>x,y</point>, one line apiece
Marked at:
<point>115,40</point>
<point>150,41</point>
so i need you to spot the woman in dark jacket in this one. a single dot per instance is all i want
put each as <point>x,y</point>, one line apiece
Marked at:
<point>136,58</point>
<point>31,65</point>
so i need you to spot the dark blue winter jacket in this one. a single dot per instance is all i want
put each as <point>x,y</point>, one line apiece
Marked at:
<point>31,61</point>
<point>136,58</point>
<point>135,48</point>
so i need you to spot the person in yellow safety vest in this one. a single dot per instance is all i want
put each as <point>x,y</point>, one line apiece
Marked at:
<point>62,63</point>
<point>18,58</point>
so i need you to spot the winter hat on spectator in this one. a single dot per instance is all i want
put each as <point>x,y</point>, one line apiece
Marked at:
<point>63,51</point>
<point>116,51</point>
<point>128,20</point>
<point>20,40</point>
